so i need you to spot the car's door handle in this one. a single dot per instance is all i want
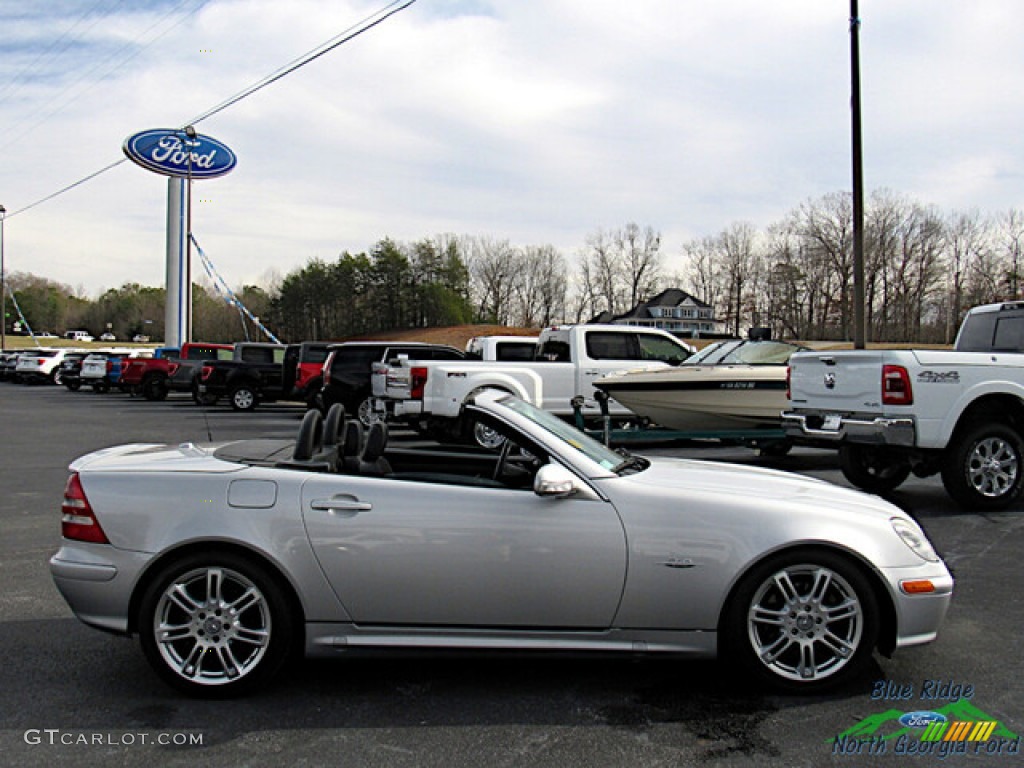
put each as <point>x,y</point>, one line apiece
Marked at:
<point>342,504</point>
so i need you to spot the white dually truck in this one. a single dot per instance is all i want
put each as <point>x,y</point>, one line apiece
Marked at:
<point>958,413</point>
<point>569,358</point>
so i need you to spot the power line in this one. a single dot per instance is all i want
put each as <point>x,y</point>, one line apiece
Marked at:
<point>366,24</point>
<point>117,59</point>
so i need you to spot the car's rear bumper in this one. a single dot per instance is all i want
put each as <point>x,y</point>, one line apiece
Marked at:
<point>97,581</point>
<point>835,428</point>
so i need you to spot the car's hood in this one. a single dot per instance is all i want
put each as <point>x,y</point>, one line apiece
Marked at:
<point>150,457</point>
<point>736,482</point>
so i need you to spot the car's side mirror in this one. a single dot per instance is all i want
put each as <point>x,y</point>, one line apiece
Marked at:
<point>554,481</point>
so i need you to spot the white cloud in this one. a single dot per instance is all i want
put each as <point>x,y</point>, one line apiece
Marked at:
<point>535,120</point>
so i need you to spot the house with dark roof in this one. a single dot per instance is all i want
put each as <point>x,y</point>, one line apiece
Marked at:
<point>675,311</point>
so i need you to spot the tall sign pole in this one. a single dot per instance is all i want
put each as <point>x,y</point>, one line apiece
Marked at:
<point>182,155</point>
<point>859,315</point>
<point>3,284</point>
<point>177,308</point>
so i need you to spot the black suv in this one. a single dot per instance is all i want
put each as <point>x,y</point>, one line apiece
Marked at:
<point>348,366</point>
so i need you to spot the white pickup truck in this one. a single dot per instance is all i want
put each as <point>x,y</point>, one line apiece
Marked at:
<point>892,412</point>
<point>569,358</point>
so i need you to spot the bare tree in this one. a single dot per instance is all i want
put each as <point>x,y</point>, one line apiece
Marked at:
<point>967,241</point>
<point>492,269</point>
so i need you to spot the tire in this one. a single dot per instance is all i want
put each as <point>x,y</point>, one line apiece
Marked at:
<point>215,624</point>
<point>366,414</point>
<point>485,437</point>
<point>984,468</point>
<point>872,469</point>
<point>73,386</point>
<point>805,620</point>
<point>243,397</point>
<point>155,388</point>
<point>101,387</point>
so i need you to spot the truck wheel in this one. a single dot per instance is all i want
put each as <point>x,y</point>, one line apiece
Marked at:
<point>983,469</point>
<point>366,413</point>
<point>872,469</point>
<point>243,397</point>
<point>154,388</point>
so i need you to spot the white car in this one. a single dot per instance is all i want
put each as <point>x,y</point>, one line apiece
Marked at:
<point>40,365</point>
<point>227,558</point>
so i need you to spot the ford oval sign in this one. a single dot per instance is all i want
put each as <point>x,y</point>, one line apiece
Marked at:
<point>173,153</point>
<point>921,719</point>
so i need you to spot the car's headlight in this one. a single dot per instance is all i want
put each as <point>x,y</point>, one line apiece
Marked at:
<point>914,538</point>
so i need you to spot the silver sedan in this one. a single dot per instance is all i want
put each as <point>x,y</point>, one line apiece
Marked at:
<point>225,559</point>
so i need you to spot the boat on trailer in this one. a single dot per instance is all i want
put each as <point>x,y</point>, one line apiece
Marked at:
<point>730,385</point>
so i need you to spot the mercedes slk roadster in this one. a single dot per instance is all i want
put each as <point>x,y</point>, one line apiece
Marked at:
<point>226,559</point>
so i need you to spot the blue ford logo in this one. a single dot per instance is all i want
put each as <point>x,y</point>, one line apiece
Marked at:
<point>173,153</point>
<point>921,719</point>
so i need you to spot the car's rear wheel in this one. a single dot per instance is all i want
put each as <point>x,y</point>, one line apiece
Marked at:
<point>803,620</point>
<point>155,388</point>
<point>366,413</point>
<point>215,624</point>
<point>984,468</point>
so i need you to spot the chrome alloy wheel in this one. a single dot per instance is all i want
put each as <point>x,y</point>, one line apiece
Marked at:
<point>992,467</point>
<point>805,622</point>
<point>243,399</point>
<point>212,626</point>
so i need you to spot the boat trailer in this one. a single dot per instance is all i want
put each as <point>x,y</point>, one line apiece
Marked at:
<point>768,441</point>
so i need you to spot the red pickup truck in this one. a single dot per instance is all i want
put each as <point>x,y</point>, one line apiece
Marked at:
<point>149,375</point>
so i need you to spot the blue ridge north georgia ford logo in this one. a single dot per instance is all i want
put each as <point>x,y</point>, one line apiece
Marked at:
<point>173,153</point>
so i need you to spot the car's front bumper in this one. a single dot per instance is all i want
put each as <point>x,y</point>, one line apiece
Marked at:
<point>919,615</point>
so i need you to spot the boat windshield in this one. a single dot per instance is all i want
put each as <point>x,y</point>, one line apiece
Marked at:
<point>568,434</point>
<point>748,353</point>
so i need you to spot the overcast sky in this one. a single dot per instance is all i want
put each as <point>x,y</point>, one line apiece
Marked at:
<point>536,121</point>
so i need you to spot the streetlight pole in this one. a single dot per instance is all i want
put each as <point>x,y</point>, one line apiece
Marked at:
<point>3,284</point>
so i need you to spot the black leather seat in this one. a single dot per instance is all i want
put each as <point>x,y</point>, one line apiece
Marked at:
<point>351,447</point>
<point>372,461</point>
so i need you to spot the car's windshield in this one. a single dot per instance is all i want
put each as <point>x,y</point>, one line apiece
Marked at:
<point>568,434</point>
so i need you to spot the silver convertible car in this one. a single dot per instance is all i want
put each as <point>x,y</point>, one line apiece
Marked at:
<point>225,559</point>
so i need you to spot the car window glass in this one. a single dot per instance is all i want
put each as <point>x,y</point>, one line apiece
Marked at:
<point>611,346</point>
<point>1009,333</point>
<point>555,351</point>
<point>660,348</point>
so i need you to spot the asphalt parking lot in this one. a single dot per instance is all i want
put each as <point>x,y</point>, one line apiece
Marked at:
<point>70,695</point>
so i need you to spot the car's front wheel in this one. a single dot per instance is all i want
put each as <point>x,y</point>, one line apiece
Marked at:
<point>803,620</point>
<point>215,624</point>
<point>243,397</point>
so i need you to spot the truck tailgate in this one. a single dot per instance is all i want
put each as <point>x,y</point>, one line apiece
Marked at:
<point>850,382</point>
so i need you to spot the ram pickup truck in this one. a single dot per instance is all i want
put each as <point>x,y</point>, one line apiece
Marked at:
<point>149,375</point>
<point>958,413</point>
<point>567,361</point>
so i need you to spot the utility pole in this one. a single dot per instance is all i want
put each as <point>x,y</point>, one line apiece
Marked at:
<point>859,319</point>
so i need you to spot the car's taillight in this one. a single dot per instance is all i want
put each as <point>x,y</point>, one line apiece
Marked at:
<point>789,382</point>
<point>417,383</point>
<point>896,389</point>
<point>77,520</point>
<point>205,373</point>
